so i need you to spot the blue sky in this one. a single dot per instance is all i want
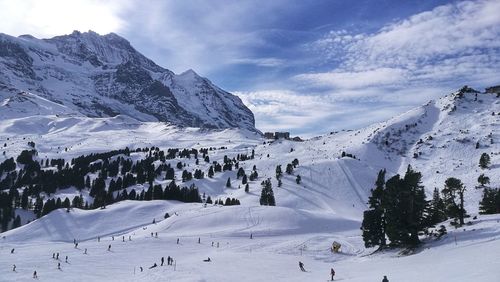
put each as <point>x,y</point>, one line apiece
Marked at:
<point>308,67</point>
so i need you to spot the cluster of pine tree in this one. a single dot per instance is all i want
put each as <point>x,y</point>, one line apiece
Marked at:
<point>490,203</point>
<point>267,194</point>
<point>399,212</point>
<point>227,202</point>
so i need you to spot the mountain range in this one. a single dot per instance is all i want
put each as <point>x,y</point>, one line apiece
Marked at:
<point>87,74</point>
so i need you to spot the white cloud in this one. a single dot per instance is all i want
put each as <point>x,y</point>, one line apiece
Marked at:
<point>287,110</point>
<point>355,79</point>
<point>55,17</point>
<point>456,43</point>
<point>261,62</point>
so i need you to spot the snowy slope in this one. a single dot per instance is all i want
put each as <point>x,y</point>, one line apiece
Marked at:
<point>326,206</point>
<point>103,76</point>
<point>273,253</point>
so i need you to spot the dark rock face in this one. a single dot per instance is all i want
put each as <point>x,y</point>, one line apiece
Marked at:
<point>105,76</point>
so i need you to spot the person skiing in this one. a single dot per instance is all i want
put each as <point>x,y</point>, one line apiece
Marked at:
<point>301,266</point>
<point>162,261</point>
<point>12,251</point>
<point>58,265</point>
<point>385,279</point>
<point>140,268</point>
<point>35,276</point>
<point>169,260</point>
<point>332,273</point>
<point>57,256</point>
<point>154,221</point>
<point>199,240</point>
<point>14,268</point>
<point>123,238</point>
<point>177,241</point>
<point>207,260</point>
<point>66,259</point>
<point>154,265</point>
<point>85,251</point>
<point>54,255</point>
<point>109,248</point>
<point>98,239</point>
<point>76,245</point>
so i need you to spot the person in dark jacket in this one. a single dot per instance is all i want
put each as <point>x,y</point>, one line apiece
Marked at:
<point>162,261</point>
<point>332,273</point>
<point>153,266</point>
<point>385,279</point>
<point>301,266</point>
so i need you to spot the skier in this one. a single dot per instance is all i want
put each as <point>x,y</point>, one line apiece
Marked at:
<point>112,238</point>
<point>207,260</point>
<point>177,241</point>
<point>58,265</point>
<point>169,260</point>
<point>123,238</point>
<point>332,272</point>
<point>98,239</point>
<point>140,268</point>
<point>212,244</point>
<point>162,261</point>
<point>153,266</point>
<point>66,259</point>
<point>57,256</point>
<point>14,268</point>
<point>154,221</point>
<point>129,238</point>
<point>109,248</point>
<point>251,236</point>
<point>199,240</point>
<point>156,234</point>
<point>54,255</point>
<point>12,251</point>
<point>151,234</point>
<point>74,241</point>
<point>217,244</point>
<point>76,245</point>
<point>35,276</point>
<point>85,251</point>
<point>385,279</point>
<point>301,266</point>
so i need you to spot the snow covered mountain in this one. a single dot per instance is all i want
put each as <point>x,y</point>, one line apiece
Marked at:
<point>104,76</point>
<point>443,138</point>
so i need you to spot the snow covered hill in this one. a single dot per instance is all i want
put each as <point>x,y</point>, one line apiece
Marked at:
<point>443,138</point>
<point>104,76</point>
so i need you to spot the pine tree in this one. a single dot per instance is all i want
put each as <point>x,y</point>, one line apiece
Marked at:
<point>437,209</point>
<point>267,194</point>
<point>453,188</point>
<point>490,203</point>
<point>211,172</point>
<point>484,160</point>
<point>483,180</point>
<point>373,225</point>
<point>278,171</point>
